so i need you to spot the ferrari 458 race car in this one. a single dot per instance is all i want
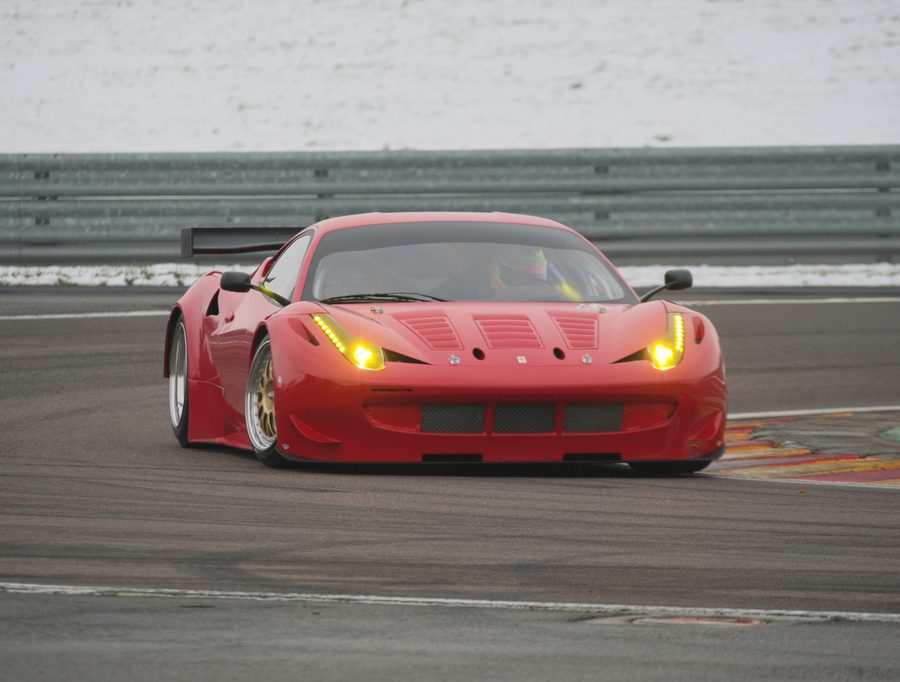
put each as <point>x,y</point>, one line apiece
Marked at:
<point>440,337</point>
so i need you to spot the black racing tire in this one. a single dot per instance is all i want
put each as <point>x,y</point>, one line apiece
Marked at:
<point>179,386</point>
<point>259,407</point>
<point>668,468</point>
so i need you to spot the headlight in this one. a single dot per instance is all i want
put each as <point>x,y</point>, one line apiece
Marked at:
<point>363,355</point>
<point>667,352</point>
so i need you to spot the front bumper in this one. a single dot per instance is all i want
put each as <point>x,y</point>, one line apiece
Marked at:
<point>356,416</point>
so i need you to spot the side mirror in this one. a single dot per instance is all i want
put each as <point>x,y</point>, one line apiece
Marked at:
<point>235,281</point>
<point>675,280</point>
<point>240,282</point>
<point>679,279</point>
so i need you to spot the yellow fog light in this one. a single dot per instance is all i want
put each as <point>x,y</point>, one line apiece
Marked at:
<point>667,353</point>
<point>361,354</point>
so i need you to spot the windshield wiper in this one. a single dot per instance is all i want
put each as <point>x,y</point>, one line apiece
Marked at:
<point>391,296</point>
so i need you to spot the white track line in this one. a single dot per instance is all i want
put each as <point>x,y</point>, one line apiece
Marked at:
<point>598,609</point>
<point>793,301</point>
<point>77,316</point>
<point>812,412</point>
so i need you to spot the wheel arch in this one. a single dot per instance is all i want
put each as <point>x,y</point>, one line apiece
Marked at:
<point>262,331</point>
<point>192,307</point>
<point>170,331</point>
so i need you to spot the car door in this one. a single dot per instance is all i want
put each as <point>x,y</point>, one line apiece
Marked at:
<point>240,315</point>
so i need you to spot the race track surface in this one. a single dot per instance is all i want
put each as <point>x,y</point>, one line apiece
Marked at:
<point>95,491</point>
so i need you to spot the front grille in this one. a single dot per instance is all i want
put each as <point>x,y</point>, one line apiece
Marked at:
<point>522,418</point>
<point>452,418</point>
<point>525,419</point>
<point>593,417</point>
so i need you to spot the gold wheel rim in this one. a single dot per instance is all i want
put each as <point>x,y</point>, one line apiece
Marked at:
<point>259,404</point>
<point>265,401</point>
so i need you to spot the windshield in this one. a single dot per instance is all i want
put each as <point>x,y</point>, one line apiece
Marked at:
<point>460,261</point>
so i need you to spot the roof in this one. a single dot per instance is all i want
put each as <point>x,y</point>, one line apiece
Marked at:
<point>362,219</point>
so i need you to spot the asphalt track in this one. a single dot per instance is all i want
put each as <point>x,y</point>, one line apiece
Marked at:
<point>95,492</point>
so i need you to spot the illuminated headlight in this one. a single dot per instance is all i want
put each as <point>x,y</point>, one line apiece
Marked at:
<point>363,355</point>
<point>668,351</point>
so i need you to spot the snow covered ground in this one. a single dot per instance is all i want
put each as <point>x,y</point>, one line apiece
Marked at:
<point>245,75</point>
<point>215,75</point>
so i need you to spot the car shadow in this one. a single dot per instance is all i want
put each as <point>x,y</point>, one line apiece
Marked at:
<point>477,470</point>
<point>449,469</point>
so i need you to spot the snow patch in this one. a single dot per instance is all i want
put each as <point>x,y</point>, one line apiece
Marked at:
<point>162,274</point>
<point>174,274</point>
<point>847,275</point>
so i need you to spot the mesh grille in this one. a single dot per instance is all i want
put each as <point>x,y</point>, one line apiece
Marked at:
<point>525,419</point>
<point>590,417</point>
<point>452,418</point>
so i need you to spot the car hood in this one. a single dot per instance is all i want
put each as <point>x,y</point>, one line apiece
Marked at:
<point>505,333</point>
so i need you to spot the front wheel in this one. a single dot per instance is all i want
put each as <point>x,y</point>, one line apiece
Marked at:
<point>668,468</point>
<point>178,383</point>
<point>259,407</point>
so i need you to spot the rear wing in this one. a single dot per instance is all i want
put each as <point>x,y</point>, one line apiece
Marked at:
<point>200,240</point>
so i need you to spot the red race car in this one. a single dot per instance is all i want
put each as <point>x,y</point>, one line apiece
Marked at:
<point>440,337</point>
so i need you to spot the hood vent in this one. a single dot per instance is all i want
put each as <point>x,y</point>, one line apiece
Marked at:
<point>580,331</point>
<point>434,329</point>
<point>508,331</point>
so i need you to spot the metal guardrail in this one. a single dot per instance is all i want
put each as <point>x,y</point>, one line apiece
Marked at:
<point>639,205</point>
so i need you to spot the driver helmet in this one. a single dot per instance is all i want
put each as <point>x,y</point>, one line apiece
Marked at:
<point>517,266</point>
